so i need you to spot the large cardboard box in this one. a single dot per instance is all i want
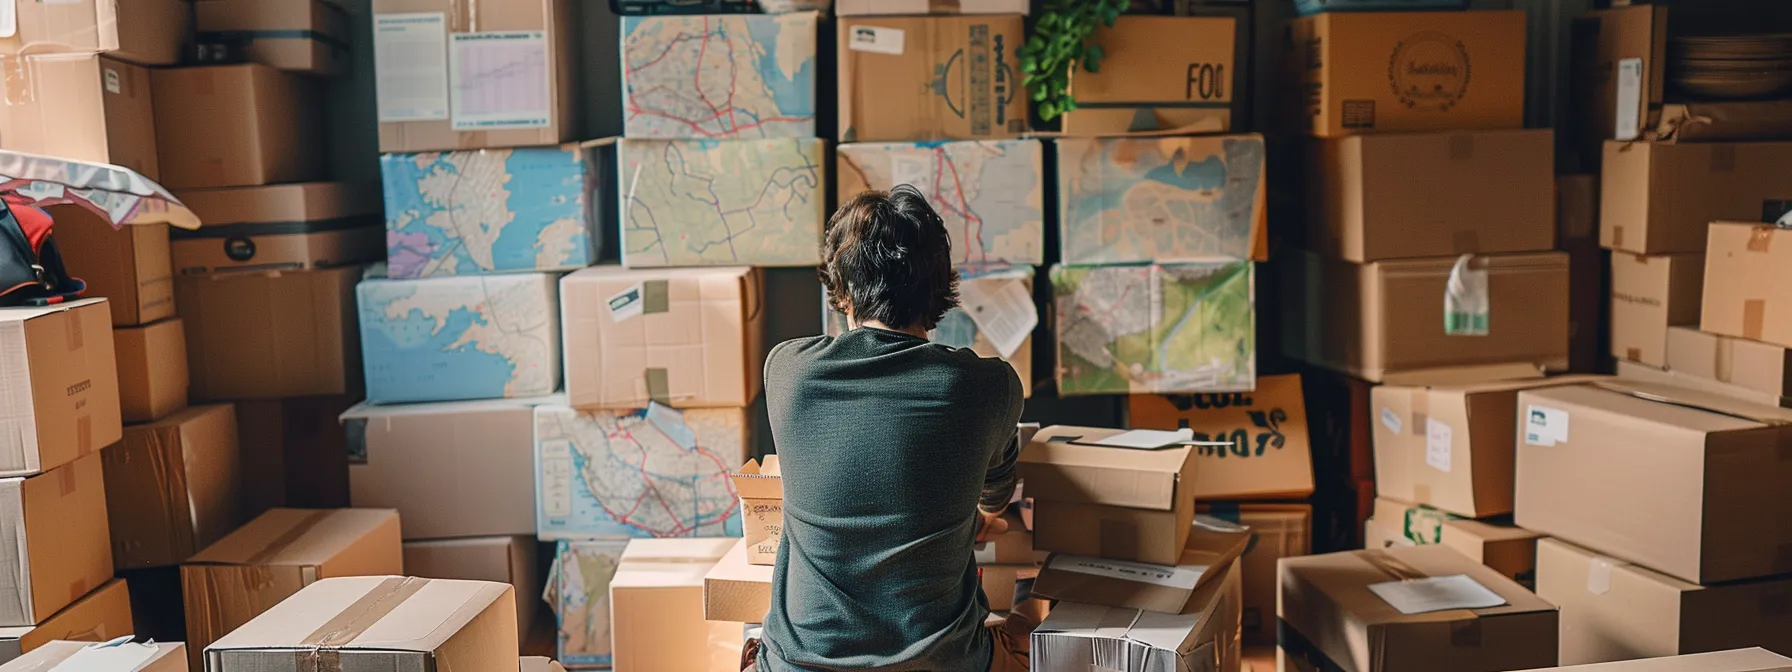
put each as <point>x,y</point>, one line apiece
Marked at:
<point>735,590</point>
<point>671,89</point>
<point>146,31</point>
<point>1270,457</point>
<point>509,560</point>
<point>173,486</point>
<point>1102,311</point>
<point>1754,659</point>
<point>1384,321</point>
<point>1659,198</point>
<point>152,369</point>
<point>95,657</point>
<point>1219,212</point>
<point>309,36</point>
<point>512,320</point>
<point>771,216</point>
<point>128,264</point>
<point>292,452</point>
<point>692,498</point>
<point>1158,73</point>
<point>688,338</point>
<point>578,592</point>
<point>1277,531</point>
<point>267,561</point>
<point>961,180</point>
<point>1509,550</point>
<point>1618,68</point>
<point>285,227</point>
<point>761,489</point>
<point>1613,610</point>
<point>460,76</point>
<point>1108,502</point>
<point>98,616</point>
<point>236,125</point>
<point>917,78</point>
<point>904,7</point>
<point>271,335</point>
<point>53,540</point>
<point>1202,637</point>
<point>424,459</point>
<point>392,621</point>
<point>656,608</point>
<point>1760,367</point>
<point>1335,614</point>
<point>1406,71</point>
<point>84,107</point>
<point>1743,297</point>
<point>1649,295</point>
<point>1683,482</point>
<point>63,380</point>
<point>1405,195</point>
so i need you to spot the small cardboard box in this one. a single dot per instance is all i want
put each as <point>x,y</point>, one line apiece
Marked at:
<point>1332,610</point>
<point>1613,610</point>
<point>1270,457</point>
<point>366,621</point>
<point>578,592</point>
<point>906,7</point>
<point>1439,194</point>
<point>960,180</point>
<point>921,78</point>
<point>283,227</point>
<point>1659,198</point>
<point>98,616</point>
<point>1164,589</point>
<point>1219,212</point>
<point>1202,637</point>
<point>1510,550</point>
<point>173,486</point>
<point>1648,374</point>
<point>780,186</point>
<point>54,540</point>
<point>102,657</point>
<point>688,338</point>
<point>1106,502</point>
<point>1649,295</point>
<point>1754,659</point>
<point>267,561</point>
<point>1683,482</point>
<point>1158,73</point>
<point>271,335</point>
<point>152,369</point>
<point>309,36</point>
<point>62,373</point>
<point>423,459</point>
<point>146,31</point>
<point>1743,297</point>
<point>999,583</point>
<point>768,93</point>
<point>534,103</point>
<point>512,323</point>
<point>656,608</point>
<point>128,264</point>
<point>236,125</point>
<point>1618,73</point>
<point>697,499</point>
<point>761,488</point>
<point>1757,366</point>
<point>509,560</point>
<point>735,590</point>
<point>1406,71</point>
<point>1278,531</point>
<point>84,107</point>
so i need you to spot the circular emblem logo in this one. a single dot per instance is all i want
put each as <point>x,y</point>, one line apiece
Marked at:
<point>1429,71</point>
<point>239,248</point>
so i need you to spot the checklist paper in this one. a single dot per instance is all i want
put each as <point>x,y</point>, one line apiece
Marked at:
<point>499,80</point>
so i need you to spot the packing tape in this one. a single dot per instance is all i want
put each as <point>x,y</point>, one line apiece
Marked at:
<point>287,538</point>
<point>1723,158</point>
<point>655,297</point>
<point>1618,236</point>
<point>362,613</point>
<point>1462,147</point>
<point>1760,239</point>
<point>659,386</point>
<point>65,477</point>
<point>1633,354</point>
<point>76,338</point>
<point>1754,315</point>
<point>1599,575</point>
<point>942,6</point>
<point>163,445</point>
<point>1392,566</point>
<point>1466,633</point>
<point>1723,360</point>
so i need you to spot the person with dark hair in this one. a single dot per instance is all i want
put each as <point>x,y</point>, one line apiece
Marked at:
<point>898,457</point>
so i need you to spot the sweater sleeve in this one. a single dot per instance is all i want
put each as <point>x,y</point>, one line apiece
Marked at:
<point>999,479</point>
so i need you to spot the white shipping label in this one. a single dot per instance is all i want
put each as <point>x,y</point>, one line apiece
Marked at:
<point>911,170</point>
<point>113,83</point>
<point>1437,593</point>
<point>1630,99</point>
<point>1005,313</point>
<point>500,80</point>
<point>876,40</point>
<point>410,60</point>
<point>1391,420</point>
<point>9,18</point>
<point>1437,445</point>
<point>628,303</point>
<point>1545,426</point>
<point>1183,577</point>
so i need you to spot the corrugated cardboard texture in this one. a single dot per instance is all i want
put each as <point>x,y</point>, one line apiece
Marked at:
<point>98,616</point>
<point>1740,660</point>
<point>143,31</point>
<point>308,36</point>
<point>423,459</point>
<point>1270,457</point>
<point>64,399</point>
<point>1742,295</point>
<point>900,7</point>
<point>1406,71</point>
<point>1650,294</point>
<point>272,335</point>
<point>951,78</point>
<point>173,486</point>
<point>1279,531</point>
<point>83,107</point>
<point>1613,610</point>
<point>1603,39</point>
<point>167,658</point>
<point>1753,365</point>
<point>736,591</point>
<point>1659,198</point>
<point>1432,194</point>
<point>53,540</point>
<point>509,560</point>
<point>129,266</point>
<point>691,338</point>
<point>236,125</point>
<point>1688,492</point>
<point>283,227</point>
<point>293,452</point>
<point>1157,73</point>
<point>656,608</point>
<point>1111,503</point>
<point>152,369</point>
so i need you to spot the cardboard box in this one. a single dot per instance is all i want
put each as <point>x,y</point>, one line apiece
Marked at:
<point>1269,458</point>
<point>1509,550</point>
<point>91,657</point>
<point>84,107</point>
<point>578,592</point>
<point>62,374</point>
<point>1378,536</point>
<point>1278,531</point>
<point>999,583</point>
<point>273,557</point>
<point>1618,72</point>
<point>310,36</point>
<point>1084,636</point>
<point>236,125</point>
<point>152,369</point>
<point>689,338</point>
<point>1658,198</point>
<point>285,227</point>
<point>129,264</point>
<point>271,335</point>
<point>958,329</point>
<point>761,489</point>
<point>1754,659</point>
<point>768,93</point>
<point>1219,213</point>
<point>423,460</point>
<point>1742,297</point>
<point>1753,365</point>
<point>540,664</point>
<point>989,193</point>
<point>1700,121</point>
<point>1212,547</point>
<point>173,486</point>
<point>293,452</point>
<point>402,622</point>
<point>1331,613</point>
<point>1158,73</point>
<point>905,7</point>
<point>1639,372</point>
<point>509,560</point>
<point>1103,310</point>
<point>513,321</point>
<point>98,616</point>
<point>692,497</point>
<point>1407,71</point>
<point>771,215</point>
<point>735,590</point>
<point>1013,547</point>
<point>1114,503</point>
<point>1438,194</point>
<point>55,542</point>
<point>1679,481</point>
<point>147,32</point>
<point>656,607</point>
<point>1613,610</point>
<point>1649,295</point>
<point>1384,321</point>
<point>445,41</point>
<point>885,60</point>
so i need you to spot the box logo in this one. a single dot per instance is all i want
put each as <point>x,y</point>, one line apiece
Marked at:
<point>1429,71</point>
<point>239,248</point>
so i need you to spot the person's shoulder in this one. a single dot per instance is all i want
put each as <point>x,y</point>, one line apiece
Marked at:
<point>796,348</point>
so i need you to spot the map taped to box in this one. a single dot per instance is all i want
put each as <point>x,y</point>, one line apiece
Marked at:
<point>488,211</point>
<point>652,472</point>
<point>989,192</point>
<point>455,338</point>
<point>744,76</point>
<point>578,590</point>
<point>1155,328</point>
<point>721,202</point>
<point>1161,200</point>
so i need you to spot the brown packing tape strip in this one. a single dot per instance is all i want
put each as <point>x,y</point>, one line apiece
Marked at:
<point>1754,317</point>
<point>84,434</point>
<point>281,542</point>
<point>174,492</point>
<point>1392,566</point>
<point>1723,360</point>
<point>659,386</point>
<point>1760,239</point>
<point>76,339</point>
<point>321,654</point>
<point>942,6</point>
<point>1633,354</point>
<point>65,478</point>
<point>1618,236</point>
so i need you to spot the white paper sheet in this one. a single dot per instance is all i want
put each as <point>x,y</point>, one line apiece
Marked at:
<point>1182,577</point>
<point>107,656</point>
<point>499,80</point>
<point>877,40</point>
<point>1630,98</point>
<point>1005,315</point>
<point>1437,593</point>
<point>1437,445</point>
<point>410,57</point>
<point>1143,439</point>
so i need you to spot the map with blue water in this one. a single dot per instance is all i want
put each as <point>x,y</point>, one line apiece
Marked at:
<point>487,211</point>
<point>652,472</point>
<point>720,76</point>
<point>448,339</point>
<point>1155,200</point>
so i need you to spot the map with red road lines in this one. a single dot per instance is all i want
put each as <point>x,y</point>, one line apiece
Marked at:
<point>719,77</point>
<point>653,472</point>
<point>987,191</point>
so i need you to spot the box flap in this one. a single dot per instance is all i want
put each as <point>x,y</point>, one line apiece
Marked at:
<point>1699,400</point>
<point>1488,532</point>
<point>757,480</point>
<point>294,537</point>
<point>369,411</point>
<point>389,613</point>
<point>24,313</point>
<point>1055,468</point>
<point>1134,585</point>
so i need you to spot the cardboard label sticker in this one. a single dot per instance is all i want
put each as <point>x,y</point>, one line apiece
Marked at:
<point>1436,593</point>
<point>1183,577</point>
<point>9,18</point>
<point>1545,426</point>
<point>1390,420</point>
<point>1437,445</point>
<point>410,60</point>
<point>499,80</point>
<point>113,84</point>
<point>628,303</point>
<point>877,40</point>
<point>1599,575</point>
<point>1005,314</point>
<point>1630,99</point>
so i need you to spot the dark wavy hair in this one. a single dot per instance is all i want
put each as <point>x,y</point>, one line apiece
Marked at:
<point>886,257</point>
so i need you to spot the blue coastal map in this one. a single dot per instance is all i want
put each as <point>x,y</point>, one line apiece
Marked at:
<point>735,76</point>
<point>652,472</point>
<point>1144,200</point>
<point>484,211</point>
<point>446,339</point>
